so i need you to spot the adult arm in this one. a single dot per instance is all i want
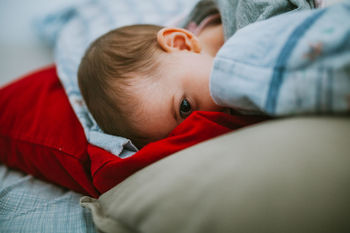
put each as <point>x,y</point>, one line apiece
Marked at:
<point>290,64</point>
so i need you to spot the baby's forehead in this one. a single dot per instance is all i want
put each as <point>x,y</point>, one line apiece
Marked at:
<point>140,81</point>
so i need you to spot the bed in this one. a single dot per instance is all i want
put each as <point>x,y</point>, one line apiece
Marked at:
<point>302,185</point>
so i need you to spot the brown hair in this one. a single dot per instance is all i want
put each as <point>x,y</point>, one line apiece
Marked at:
<point>105,69</point>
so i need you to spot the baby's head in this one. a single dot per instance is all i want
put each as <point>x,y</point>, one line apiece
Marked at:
<point>141,81</point>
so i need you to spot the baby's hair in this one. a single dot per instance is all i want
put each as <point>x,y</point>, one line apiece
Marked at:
<point>105,72</point>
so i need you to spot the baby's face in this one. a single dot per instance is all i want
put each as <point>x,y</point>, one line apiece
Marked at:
<point>181,88</point>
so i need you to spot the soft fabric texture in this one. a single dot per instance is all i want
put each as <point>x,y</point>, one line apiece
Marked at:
<point>236,14</point>
<point>83,24</point>
<point>302,60</point>
<point>29,205</point>
<point>41,135</point>
<point>288,176</point>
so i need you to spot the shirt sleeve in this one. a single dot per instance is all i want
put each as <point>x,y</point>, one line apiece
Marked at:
<point>296,63</point>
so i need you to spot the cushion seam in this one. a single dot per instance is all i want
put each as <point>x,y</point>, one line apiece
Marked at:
<point>100,167</point>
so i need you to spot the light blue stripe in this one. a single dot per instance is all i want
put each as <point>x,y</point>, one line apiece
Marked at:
<point>343,45</point>
<point>278,74</point>
<point>329,99</point>
<point>319,86</point>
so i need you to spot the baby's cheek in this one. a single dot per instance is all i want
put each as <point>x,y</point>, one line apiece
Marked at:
<point>210,105</point>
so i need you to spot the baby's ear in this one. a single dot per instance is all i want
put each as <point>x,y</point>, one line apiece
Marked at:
<point>178,39</point>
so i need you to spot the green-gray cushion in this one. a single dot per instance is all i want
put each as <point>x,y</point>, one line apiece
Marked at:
<point>290,175</point>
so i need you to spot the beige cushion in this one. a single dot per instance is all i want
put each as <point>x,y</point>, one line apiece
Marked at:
<point>289,175</point>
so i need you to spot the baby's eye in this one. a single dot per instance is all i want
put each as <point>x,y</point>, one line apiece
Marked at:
<point>185,108</point>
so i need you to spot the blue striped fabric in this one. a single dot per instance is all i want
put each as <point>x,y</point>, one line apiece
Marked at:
<point>294,63</point>
<point>282,60</point>
<point>29,205</point>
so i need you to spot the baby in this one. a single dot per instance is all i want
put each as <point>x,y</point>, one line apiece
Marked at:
<point>141,81</point>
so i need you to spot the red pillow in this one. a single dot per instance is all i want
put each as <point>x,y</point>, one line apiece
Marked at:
<point>41,135</point>
<point>108,171</point>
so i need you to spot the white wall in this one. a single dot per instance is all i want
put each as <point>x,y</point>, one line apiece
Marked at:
<point>21,50</point>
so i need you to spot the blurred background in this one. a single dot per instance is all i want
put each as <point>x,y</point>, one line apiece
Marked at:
<point>21,49</point>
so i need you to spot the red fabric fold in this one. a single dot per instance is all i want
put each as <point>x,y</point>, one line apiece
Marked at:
<point>198,127</point>
<point>40,134</point>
